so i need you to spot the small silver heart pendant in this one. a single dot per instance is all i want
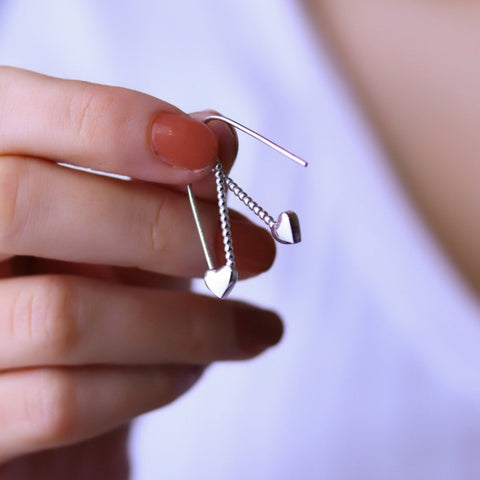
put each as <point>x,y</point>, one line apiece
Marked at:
<point>221,281</point>
<point>287,228</point>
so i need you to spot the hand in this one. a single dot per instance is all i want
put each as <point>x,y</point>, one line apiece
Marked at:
<point>96,326</point>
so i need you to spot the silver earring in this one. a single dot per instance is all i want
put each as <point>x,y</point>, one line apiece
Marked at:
<point>286,229</point>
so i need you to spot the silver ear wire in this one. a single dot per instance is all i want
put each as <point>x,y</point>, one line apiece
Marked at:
<point>258,137</point>
<point>219,281</point>
<point>286,229</point>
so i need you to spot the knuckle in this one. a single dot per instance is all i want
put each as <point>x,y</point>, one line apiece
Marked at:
<point>195,338</point>
<point>50,408</point>
<point>155,227</point>
<point>100,114</point>
<point>7,84</point>
<point>14,204</point>
<point>45,316</point>
<point>89,107</point>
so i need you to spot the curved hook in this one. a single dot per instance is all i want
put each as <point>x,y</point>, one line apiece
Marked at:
<point>257,136</point>
<point>286,229</point>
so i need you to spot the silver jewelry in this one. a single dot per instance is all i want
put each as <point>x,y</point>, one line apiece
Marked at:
<point>286,229</point>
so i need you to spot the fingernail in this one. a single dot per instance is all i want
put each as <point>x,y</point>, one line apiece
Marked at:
<point>226,134</point>
<point>183,142</point>
<point>257,329</point>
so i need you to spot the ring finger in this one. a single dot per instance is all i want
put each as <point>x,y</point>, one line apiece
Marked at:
<point>66,321</point>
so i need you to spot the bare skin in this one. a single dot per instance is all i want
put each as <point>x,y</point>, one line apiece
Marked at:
<point>414,66</point>
<point>97,323</point>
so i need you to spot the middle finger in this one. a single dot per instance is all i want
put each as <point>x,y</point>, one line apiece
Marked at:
<point>53,212</point>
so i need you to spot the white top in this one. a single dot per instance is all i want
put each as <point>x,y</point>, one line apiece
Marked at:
<point>378,373</point>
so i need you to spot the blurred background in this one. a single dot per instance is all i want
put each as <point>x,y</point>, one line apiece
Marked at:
<point>378,372</point>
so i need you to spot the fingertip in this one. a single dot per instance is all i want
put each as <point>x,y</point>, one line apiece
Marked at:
<point>256,329</point>
<point>255,249</point>
<point>226,135</point>
<point>258,255</point>
<point>183,142</point>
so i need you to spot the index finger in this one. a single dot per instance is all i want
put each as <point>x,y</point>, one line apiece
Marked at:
<point>105,128</point>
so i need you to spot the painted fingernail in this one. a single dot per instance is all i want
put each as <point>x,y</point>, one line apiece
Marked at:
<point>183,142</point>
<point>257,329</point>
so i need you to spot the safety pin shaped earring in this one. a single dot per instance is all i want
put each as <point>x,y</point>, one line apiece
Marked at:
<point>286,229</point>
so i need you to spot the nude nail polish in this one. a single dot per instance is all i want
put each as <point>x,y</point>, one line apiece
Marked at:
<point>182,142</point>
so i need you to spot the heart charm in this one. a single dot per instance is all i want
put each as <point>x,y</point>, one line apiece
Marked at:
<point>287,228</point>
<point>221,281</point>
